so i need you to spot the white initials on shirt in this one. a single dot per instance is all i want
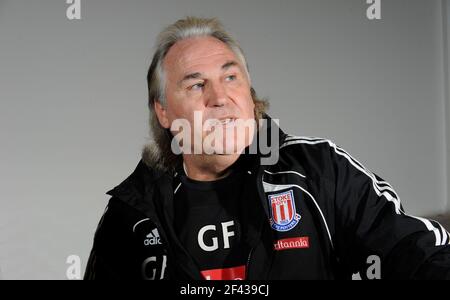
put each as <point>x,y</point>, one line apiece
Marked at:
<point>215,244</point>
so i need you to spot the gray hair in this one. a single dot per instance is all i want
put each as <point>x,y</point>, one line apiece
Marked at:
<point>159,153</point>
<point>180,30</point>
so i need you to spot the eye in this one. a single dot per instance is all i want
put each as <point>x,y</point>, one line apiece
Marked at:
<point>197,86</point>
<point>230,78</point>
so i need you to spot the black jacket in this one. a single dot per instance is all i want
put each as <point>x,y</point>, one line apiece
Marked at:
<point>347,218</point>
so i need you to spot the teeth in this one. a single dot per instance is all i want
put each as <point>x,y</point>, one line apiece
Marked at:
<point>226,121</point>
<point>223,122</point>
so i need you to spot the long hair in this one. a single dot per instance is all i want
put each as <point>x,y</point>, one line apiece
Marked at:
<point>158,153</point>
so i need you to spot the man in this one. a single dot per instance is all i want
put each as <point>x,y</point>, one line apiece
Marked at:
<point>221,213</point>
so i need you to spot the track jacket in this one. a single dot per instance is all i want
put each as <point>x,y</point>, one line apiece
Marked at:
<point>321,215</point>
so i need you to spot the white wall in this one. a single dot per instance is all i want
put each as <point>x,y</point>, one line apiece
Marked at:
<point>446,40</point>
<point>376,88</point>
<point>73,114</point>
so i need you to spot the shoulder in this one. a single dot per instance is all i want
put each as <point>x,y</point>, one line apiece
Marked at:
<point>316,155</point>
<point>307,144</point>
<point>117,222</point>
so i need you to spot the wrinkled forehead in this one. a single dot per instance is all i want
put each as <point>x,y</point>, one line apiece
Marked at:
<point>189,53</point>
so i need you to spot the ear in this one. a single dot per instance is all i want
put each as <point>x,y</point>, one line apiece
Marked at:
<point>161,113</point>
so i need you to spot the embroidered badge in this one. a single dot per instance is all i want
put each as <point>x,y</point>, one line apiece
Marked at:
<point>283,215</point>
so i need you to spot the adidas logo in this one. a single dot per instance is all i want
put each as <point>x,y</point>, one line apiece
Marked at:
<point>152,238</point>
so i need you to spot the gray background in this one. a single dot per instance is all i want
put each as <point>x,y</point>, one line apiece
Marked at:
<point>73,114</point>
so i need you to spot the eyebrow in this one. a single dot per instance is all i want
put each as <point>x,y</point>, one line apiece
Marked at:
<point>196,75</point>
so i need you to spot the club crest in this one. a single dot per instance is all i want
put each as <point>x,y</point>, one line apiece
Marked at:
<point>283,215</point>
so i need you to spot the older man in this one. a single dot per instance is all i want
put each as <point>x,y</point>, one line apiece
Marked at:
<point>221,213</point>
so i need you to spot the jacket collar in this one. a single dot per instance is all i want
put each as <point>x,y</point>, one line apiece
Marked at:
<point>138,188</point>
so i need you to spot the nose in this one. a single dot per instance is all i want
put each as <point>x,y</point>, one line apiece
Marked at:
<point>217,95</point>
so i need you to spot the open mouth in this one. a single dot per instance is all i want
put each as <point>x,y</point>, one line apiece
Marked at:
<point>228,122</point>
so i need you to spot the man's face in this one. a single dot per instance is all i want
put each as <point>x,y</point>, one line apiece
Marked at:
<point>204,75</point>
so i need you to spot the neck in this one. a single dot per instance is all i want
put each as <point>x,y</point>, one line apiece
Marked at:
<point>208,167</point>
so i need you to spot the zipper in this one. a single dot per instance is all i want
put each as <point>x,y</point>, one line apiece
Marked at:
<point>247,266</point>
<point>261,195</point>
